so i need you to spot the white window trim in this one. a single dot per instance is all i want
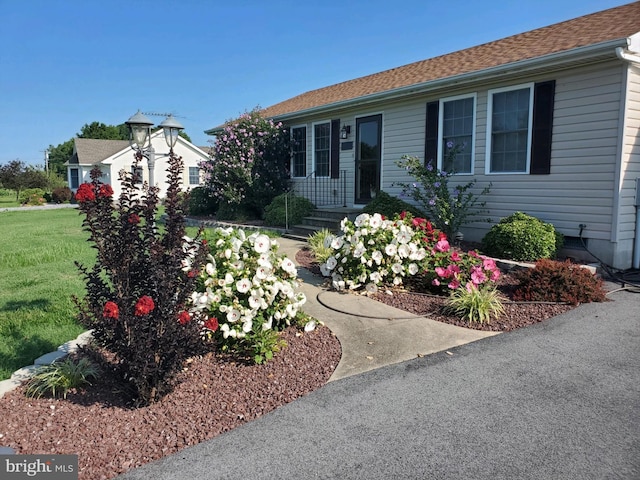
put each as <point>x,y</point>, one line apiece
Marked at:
<point>313,146</point>
<point>440,159</point>
<point>306,137</point>
<point>490,93</point>
<point>189,175</point>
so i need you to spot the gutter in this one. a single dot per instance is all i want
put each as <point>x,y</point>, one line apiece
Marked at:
<point>627,56</point>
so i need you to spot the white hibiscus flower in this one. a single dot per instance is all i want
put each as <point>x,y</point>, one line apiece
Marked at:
<point>262,243</point>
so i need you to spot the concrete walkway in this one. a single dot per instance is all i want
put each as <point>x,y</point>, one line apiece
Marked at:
<point>371,333</point>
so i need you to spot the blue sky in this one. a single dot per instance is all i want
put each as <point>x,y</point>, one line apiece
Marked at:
<point>66,63</point>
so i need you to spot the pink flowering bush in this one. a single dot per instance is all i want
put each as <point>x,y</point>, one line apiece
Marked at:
<point>249,164</point>
<point>447,269</point>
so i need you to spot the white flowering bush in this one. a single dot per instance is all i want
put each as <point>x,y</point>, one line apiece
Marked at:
<point>246,292</point>
<point>372,251</point>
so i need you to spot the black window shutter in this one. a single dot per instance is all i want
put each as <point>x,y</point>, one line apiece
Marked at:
<point>431,134</point>
<point>543,100</point>
<point>334,162</point>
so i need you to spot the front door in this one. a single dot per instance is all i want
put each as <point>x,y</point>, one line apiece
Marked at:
<point>368,157</point>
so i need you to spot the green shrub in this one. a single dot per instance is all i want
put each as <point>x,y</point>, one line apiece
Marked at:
<point>61,195</point>
<point>554,281</point>
<point>296,207</point>
<point>60,377</point>
<point>389,206</point>
<point>522,237</point>
<point>320,244</point>
<point>32,196</point>
<point>475,304</point>
<point>201,202</point>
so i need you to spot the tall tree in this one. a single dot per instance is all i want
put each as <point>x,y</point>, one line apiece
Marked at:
<point>17,176</point>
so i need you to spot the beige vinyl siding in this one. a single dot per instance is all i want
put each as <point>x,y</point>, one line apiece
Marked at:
<point>630,156</point>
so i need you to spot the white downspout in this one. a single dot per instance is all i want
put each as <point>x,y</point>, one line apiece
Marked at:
<point>636,243</point>
<point>626,56</point>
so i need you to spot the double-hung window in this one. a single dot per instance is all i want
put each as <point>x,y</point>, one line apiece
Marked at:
<point>299,152</point>
<point>322,148</point>
<point>194,176</point>
<point>457,129</point>
<point>509,129</point>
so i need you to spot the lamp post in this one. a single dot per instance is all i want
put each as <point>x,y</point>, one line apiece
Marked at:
<point>140,138</point>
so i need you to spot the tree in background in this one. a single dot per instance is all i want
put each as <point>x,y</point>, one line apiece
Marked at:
<point>17,176</point>
<point>62,153</point>
<point>248,166</point>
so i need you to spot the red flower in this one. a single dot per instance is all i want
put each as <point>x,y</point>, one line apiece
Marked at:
<point>211,324</point>
<point>184,317</point>
<point>105,190</point>
<point>133,219</point>
<point>144,306</point>
<point>110,310</point>
<point>85,193</point>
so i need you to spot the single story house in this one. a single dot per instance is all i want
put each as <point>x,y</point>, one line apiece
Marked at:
<point>112,156</point>
<point>549,117</point>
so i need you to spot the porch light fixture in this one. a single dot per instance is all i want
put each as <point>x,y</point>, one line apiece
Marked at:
<point>345,131</point>
<point>140,138</point>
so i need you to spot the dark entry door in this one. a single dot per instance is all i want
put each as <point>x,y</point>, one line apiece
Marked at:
<point>368,157</point>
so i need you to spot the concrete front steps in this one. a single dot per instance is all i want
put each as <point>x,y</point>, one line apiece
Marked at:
<point>321,218</point>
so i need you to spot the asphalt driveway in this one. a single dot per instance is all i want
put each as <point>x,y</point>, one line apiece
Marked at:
<point>558,400</point>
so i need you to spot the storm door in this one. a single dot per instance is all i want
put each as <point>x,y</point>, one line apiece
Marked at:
<point>368,157</point>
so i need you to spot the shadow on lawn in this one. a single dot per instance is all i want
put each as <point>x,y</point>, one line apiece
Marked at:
<point>14,306</point>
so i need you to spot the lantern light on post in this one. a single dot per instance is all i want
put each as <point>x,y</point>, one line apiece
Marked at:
<point>140,138</point>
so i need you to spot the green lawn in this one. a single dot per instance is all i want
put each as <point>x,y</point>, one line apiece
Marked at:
<point>37,279</point>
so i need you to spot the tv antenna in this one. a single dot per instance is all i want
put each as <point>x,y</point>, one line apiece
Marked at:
<point>156,114</point>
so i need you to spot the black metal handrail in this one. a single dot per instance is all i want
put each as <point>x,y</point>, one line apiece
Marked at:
<point>323,191</point>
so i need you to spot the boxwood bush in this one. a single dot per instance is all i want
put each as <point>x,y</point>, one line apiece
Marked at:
<point>522,237</point>
<point>275,214</point>
<point>389,206</point>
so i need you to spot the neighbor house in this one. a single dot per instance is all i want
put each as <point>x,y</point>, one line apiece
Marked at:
<point>548,117</point>
<point>112,156</point>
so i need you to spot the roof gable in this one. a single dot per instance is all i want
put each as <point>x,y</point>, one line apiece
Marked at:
<point>91,151</point>
<point>608,25</point>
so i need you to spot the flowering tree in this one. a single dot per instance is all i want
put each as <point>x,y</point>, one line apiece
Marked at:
<point>448,208</point>
<point>249,163</point>
<point>137,291</point>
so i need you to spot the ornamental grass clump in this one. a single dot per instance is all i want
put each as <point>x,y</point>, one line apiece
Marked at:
<point>247,292</point>
<point>59,377</point>
<point>138,291</point>
<point>476,304</point>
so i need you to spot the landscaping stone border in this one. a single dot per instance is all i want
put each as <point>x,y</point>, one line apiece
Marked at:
<point>25,373</point>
